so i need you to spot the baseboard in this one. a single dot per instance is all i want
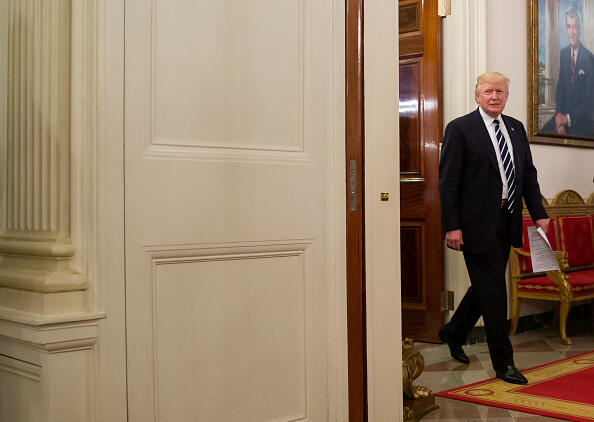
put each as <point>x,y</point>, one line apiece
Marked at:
<point>577,315</point>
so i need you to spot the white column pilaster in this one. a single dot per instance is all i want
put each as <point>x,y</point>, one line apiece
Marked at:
<point>48,323</point>
<point>465,55</point>
<point>36,248</point>
<point>464,58</point>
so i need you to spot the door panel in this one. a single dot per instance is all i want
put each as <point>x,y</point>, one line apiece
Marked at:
<point>420,131</point>
<point>229,119</point>
<point>412,268</point>
<point>410,122</point>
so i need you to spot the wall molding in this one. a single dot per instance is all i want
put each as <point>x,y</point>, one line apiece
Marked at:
<point>202,146</point>
<point>59,358</point>
<point>21,369</point>
<point>251,155</point>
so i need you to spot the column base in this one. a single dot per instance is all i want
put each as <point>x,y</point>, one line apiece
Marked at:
<point>45,267</point>
<point>32,306</point>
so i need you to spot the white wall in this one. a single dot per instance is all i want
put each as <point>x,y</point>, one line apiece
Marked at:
<point>559,167</point>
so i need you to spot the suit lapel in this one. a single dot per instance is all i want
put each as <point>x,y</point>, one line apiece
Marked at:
<point>484,138</point>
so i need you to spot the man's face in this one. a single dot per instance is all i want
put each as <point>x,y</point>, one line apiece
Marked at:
<point>573,31</point>
<point>492,97</point>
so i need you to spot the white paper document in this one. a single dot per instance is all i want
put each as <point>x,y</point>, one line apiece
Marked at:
<point>543,257</point>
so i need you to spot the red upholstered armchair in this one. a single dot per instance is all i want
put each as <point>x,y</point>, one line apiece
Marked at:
<point>572,237</point>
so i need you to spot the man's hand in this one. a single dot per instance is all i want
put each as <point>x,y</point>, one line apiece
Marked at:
<point>543,223</point>
<point>454,239</point>
<point>561,121</point>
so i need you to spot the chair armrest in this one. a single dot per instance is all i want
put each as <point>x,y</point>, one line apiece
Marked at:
<point>521,252</point>
<point>560,256</point>
<point>557,276</point>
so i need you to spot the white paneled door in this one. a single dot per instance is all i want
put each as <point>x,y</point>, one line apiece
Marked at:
<point>233,144</point>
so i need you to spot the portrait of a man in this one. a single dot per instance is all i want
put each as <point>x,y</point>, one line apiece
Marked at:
<point>566,100</point>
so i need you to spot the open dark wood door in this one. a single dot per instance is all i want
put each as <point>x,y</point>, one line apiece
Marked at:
<point>420,132</point>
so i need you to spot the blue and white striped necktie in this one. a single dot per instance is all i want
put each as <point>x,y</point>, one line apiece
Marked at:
<point>508,166</point>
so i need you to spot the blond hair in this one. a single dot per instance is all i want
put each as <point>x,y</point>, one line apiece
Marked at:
<point>493,77</point>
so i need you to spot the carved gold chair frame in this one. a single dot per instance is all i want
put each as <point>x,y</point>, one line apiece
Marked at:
<point>565,203</point>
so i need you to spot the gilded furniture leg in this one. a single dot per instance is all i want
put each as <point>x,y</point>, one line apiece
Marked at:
<point>418,400</point>
<point>563,313</point>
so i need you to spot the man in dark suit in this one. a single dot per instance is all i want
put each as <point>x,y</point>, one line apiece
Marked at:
<point>485,170</point>
<point>575,88</point>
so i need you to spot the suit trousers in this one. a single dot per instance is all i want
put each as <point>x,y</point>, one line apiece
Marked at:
<point>487,296</point>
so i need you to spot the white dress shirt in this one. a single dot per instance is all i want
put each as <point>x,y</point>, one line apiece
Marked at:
<point>575,52</point>
<point>491,129</point>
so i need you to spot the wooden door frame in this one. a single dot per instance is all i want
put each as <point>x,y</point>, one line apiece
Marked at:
<point>373,247</point>
<point>355,220</point>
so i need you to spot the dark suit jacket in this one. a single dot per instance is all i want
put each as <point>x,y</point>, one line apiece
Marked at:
<point>470,183</point>
<point>577,99</point>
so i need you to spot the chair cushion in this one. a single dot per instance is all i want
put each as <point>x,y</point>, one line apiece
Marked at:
<point>581,279</point>
<point>575,237</point>
<point>537,284</point>
<point>581,282</point>
<point>525,261</point>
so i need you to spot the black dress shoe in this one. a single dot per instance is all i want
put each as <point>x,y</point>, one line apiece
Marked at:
<point>455,349</point>
<point>511,375</point>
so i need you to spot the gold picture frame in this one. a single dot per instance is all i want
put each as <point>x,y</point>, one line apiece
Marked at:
<point>548,61</point>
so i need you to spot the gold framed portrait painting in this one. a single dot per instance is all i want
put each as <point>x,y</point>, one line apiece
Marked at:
<point>561,72</point>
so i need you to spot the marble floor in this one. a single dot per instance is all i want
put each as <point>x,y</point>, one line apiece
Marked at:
<point>530,349</point>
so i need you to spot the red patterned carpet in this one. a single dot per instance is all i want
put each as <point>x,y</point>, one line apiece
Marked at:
<point>561,389</point>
